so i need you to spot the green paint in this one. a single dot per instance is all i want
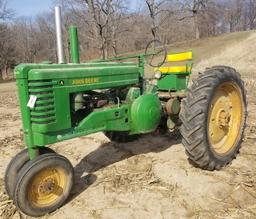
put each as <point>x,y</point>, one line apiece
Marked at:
<point>133,94</point>
<point>172,82</point>
<point>145,113</point>
<point>55,87</point>
<point>74,45</point>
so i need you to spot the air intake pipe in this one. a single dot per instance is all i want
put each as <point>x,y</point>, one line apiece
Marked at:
<point>74,45</point>
<point>59,40</point>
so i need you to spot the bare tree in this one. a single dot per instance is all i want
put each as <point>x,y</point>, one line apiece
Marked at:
<point>153,11</point>
<point>102,19</point>
<point>45,24</point>
<point>194,9</point>
<point>5,12</point>
<point>107,28</point>
<point>7,50</point>
<point>250,13</point>
<point>158,14</point>
<point>233,14</point>
<point>6,43</point>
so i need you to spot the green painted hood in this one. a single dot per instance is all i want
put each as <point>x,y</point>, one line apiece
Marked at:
<point>63,71</point>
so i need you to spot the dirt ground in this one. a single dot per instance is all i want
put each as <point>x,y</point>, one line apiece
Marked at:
<point>147,178</point>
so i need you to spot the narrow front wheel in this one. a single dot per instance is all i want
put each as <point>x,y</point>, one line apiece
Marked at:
<point>15,165</point>
<point>43,184</point>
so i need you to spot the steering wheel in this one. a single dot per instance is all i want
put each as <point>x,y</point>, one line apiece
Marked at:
<point>155,53</point>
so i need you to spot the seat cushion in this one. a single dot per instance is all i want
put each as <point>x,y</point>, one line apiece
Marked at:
<point>175,69</point>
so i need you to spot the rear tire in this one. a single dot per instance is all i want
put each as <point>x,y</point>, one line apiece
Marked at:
<point>213,118</point>
<point>15,165</point>
<point>43,184</point>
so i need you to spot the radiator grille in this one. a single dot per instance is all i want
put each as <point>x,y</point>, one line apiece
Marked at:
<point>44,110</point>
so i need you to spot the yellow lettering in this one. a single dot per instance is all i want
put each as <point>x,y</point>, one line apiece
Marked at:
<point>85,81</point>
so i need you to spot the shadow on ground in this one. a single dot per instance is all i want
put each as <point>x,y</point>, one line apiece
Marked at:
<point>113,152</point>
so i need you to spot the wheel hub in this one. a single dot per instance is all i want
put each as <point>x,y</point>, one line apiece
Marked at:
<point>47,186</point>
<point>224,118</point>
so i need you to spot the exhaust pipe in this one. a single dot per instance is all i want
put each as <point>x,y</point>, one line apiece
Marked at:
<point>60,49</point>
<point>74,45</point>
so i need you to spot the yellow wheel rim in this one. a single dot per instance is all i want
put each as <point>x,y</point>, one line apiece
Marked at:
<point>225,118</point>
<point>47,187</point>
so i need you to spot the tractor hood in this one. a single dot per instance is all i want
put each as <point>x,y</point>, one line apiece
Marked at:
<point>64,71</point>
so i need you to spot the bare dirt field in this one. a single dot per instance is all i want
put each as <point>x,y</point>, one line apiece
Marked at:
<point>147,178</point>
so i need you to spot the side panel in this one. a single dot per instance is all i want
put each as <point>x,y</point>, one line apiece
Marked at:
<point>172,82</point>
<point>108,119</point>
<point>52,110</point>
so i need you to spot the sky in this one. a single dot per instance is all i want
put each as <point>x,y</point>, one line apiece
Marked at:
<point>31,8</point>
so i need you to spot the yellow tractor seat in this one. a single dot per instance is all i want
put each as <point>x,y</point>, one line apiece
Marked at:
<point>181,69</point>
<point>175,69</point>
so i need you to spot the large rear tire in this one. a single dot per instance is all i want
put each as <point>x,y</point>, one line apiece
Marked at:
<point>213,118</point>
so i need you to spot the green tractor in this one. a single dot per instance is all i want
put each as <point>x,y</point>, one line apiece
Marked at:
<point>64,101</point>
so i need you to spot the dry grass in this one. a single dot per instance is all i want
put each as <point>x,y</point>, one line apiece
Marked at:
<point>240,55</point>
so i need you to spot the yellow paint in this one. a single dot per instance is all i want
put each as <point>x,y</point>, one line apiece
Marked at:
<point>47,187</point>
<point>174,69</point>
<point>225,118</point>
<point>81,81</point>
<point>178,57</point>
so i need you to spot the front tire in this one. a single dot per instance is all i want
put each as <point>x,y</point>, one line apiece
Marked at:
<point>43,184</point>
<point>213,118</point>
<point>15,165</point>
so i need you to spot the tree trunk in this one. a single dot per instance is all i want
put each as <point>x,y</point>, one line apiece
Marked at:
<point>4,73</point>
<point>114,47</point>
<point>1,75</point>
<point>104,51</point>
<point>231,27</point>
<point>197,30</point>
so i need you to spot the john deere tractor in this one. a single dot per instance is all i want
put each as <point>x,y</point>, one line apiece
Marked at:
<point>64,101</point>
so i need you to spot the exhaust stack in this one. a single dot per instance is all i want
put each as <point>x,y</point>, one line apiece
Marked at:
<point>60,49</point>
<point>74,45</point>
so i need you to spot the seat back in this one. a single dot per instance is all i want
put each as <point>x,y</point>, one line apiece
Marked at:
<point>180,67</point>
<point>179,57</point>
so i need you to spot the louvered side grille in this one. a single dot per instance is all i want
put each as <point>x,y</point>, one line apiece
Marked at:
<point>44,111</point>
